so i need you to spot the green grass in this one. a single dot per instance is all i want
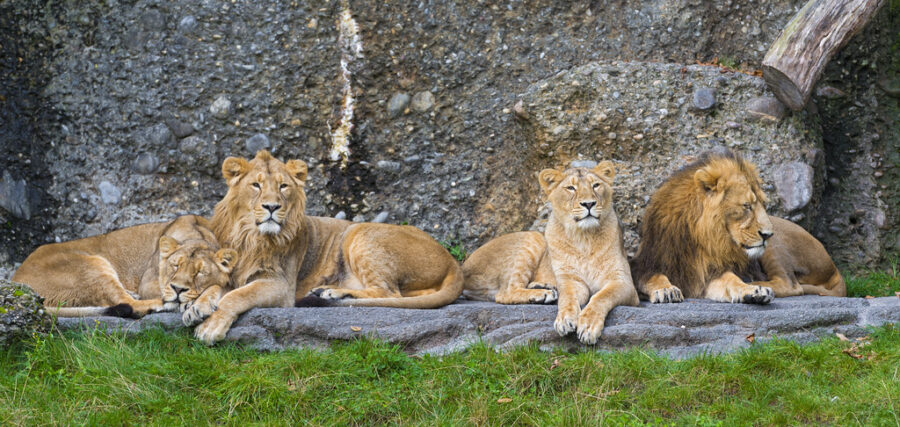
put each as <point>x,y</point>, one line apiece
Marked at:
<point>876,283</point>
<point>168,378</point>
<point>455,248</point>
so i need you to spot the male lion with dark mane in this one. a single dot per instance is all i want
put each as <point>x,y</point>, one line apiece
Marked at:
<point>581,254</point>
<point>287,255</point>
<point>706,227</point>
<point>132,271</point>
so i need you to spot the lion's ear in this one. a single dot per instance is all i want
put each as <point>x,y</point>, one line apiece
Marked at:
<point>297,169</point>
<point>234,167</point>
<point>167,246</point>
<point>707,179</point>
<point>606,170</point>
<point>225,258</point>
<point>549,179</point>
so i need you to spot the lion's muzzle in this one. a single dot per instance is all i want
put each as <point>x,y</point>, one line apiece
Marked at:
<point>269,224</point>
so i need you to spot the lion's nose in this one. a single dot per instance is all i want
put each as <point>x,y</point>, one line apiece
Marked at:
<point>271,207</point>
<point>765,235</point>
<point>588,205</point>
<point>178,289</point>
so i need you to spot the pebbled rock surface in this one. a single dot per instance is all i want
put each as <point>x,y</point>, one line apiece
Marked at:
<point>677,330</point>
<point>151,96</point>
<point>21,313</point>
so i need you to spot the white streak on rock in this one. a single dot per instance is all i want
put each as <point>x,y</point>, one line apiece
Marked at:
<point>351,48</point>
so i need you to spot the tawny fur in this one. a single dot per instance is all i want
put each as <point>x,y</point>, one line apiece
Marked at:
<point>131,267</point>
<point>580,255</point>
<point>706,227</point>
<point>287,255</point>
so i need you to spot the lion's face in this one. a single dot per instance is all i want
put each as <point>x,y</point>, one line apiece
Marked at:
<point>580,197</point>
<point>265,194</point>
<point>734,201</point>
<point>188,270</point>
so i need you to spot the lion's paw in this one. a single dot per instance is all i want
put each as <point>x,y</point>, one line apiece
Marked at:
<point>198,312</point>
<point>548,296</point>
<point>589,329</point>
<point>329,294</point>
<point>213,329</point>
<point>760,295</point>
<point>670,294</point>
<point>566,322</point>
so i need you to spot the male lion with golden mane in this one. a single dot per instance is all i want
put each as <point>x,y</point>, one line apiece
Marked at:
<point>706,227</point>
<point>132,271</point>
<point>581,254</point>
<point>287,255</point>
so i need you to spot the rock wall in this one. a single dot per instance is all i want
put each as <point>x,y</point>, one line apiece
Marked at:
<point>119,112</point>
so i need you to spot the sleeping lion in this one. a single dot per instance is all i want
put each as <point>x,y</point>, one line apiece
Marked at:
<point>131,272</point>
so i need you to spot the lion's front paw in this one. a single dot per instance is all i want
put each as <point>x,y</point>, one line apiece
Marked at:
<point>759,295</point>
<point>590,326</point>
<point>669,294</point>
<point>548,296</point>
<point>198,312</point>
<point>213,329</point>
<point>566,321</point>
<point>329,294</point>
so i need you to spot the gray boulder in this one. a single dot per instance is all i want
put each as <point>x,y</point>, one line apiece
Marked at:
<point>641,116</point>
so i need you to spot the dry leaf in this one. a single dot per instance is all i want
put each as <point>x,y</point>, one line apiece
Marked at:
<point>355,328</point>
<point>841,336</point>
<point>555,364</point>
<point>852,352</point>
<point>897,293</point>
<point>504,400</point>
<point>750,338</point>
<point>869,297</point>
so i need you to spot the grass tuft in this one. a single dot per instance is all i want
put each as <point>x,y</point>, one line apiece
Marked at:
<point>876,283</point>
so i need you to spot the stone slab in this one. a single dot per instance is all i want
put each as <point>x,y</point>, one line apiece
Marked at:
<point>676,330</point>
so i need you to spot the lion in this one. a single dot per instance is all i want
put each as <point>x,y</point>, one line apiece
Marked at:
<point>580,257</point>
<point>287,255</point>
<point>131,272</point>
<point>706,227</point>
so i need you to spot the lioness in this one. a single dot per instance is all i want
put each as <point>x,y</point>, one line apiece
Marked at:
<point>287,255</point>
<point>581,253</point>
<point>707,225</point>
<point>132,271</point>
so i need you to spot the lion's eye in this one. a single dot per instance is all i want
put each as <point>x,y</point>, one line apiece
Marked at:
<point>570,188</point>
<point>283,186</point>
<point>596,185</point>
<point>747,206</point>
<point>255,185</point>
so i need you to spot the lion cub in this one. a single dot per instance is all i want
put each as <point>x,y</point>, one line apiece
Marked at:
<point>581,256</point>
<point>131,272</point>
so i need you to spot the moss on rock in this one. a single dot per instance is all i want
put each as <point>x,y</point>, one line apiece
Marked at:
<point>22,313</point>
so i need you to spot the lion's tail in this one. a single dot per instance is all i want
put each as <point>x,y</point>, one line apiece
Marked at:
<point>120,310</point>
<point>451,288</point>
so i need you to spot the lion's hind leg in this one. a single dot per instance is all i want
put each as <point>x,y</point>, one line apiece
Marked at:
<point>730,288</point>
<point>530,279</point>
<point>95,282</point>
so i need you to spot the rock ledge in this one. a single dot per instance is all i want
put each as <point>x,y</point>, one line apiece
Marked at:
<point>676,330</point>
